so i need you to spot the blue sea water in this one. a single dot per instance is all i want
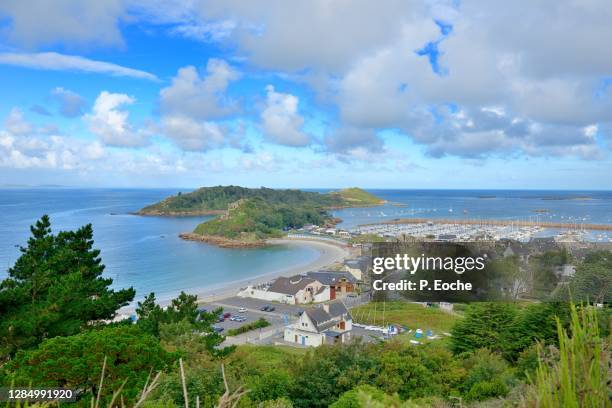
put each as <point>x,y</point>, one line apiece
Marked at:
<point>594,207</point>
<point>145,252</point>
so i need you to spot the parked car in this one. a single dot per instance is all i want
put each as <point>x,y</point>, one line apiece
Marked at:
<point>217,329</point>
<point>265,308</point>
<point>242,310</point>
<point>227,315</point>
<point>220,319</point>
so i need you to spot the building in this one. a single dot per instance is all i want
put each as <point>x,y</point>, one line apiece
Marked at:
<point>340,283</point>
<point>358,267</point>
<point>327,324</point>
<point>294,290</point>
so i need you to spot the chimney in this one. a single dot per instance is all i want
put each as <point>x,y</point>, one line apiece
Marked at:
<point>326,307</point>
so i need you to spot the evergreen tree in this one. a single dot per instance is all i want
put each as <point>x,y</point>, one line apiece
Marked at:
<point>483,327</point>
<point>55,288</point>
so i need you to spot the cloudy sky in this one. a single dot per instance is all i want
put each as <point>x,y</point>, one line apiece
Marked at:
<point>313,93</point>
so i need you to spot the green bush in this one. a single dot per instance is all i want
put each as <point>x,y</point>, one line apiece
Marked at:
<point>77,361</point>
<point>257,324</point>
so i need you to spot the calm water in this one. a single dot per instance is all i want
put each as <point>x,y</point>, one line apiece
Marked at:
<point>561,206</point>
<point>146,253</point>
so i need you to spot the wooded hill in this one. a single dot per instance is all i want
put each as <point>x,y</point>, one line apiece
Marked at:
<point>248,216</point>
<point>215,200</point>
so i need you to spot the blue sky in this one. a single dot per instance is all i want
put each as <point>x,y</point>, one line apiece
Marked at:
<point>391,94</point>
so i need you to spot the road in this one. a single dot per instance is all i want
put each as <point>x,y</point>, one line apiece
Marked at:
<point>279,318</point>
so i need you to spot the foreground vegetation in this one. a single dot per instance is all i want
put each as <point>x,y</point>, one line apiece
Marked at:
<point>499,354</point>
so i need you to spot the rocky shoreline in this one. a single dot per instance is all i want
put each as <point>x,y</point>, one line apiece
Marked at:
<point>221,241</point>
<point>180,213</point>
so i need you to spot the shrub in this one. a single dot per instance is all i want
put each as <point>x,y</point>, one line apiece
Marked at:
<point>257,324</point>
<point>77,361</point>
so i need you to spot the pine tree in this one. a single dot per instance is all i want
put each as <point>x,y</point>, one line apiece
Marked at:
<point>55,288</point>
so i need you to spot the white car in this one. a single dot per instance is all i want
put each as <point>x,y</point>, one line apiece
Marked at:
<point>242,310</point>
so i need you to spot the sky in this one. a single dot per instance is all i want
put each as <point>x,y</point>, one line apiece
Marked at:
<point>306,93</point>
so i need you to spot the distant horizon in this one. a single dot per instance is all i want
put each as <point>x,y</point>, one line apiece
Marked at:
<point>75,187</point>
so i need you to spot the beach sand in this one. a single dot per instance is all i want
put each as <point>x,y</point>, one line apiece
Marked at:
<point>329,253</point>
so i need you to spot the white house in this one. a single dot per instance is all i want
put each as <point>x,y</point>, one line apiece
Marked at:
<point>327,324</point>
<point>294,290</point>
<point>358,267</point>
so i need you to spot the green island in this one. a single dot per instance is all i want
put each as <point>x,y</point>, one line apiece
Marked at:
<point>248,216</point>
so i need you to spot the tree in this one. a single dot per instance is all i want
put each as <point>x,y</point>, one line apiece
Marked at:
<point>77,361</point>
<point>483,327</point>
<point>592,281</point>
<point>366,396</point>
<point>535,323</point>
<point>55,288</point>
<point>181,319</point>
<point>487,376</point>
<point>332,371</point>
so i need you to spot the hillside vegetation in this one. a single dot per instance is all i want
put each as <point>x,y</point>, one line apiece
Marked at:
<point>255,219</point>
<point>356,196</point>
<point>215,200</point>
<point>249,216</point>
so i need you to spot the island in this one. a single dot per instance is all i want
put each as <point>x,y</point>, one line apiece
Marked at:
<point>247,217</point>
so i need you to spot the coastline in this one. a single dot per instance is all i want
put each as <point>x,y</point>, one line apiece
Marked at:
<point>221,241</point>
<point>329,253</point>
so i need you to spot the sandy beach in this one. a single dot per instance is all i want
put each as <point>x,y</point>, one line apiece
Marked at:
<point>329,253</point>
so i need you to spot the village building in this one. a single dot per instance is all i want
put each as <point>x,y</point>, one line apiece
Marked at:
<point>327,324</point>
<point>340,283</point>
<point>297,289</point>
<point>358,267</point>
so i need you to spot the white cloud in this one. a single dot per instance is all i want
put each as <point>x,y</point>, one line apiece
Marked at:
<point>536,62</point>
<point>54,61</point>
<point>111,124</point>
<point>40,22</point>
<point>71,103</point>
<point>193,135</point>
<point>263,160</point>
<point>200,97</point>
<point>205,32</point>
<point>281,121</point>
<point>23,147</point>
<point>354,143</point>
<point>192,102</point>
<point>16,124</point>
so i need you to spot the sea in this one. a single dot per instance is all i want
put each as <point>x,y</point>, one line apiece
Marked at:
<point>146,253</point>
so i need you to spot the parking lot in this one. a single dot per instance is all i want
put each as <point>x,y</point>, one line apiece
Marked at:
<point>279,317</point>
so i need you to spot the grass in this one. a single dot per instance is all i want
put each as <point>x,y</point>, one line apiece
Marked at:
<point>579,377</point>
<point>358,196</point>
<point>412,315</point>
